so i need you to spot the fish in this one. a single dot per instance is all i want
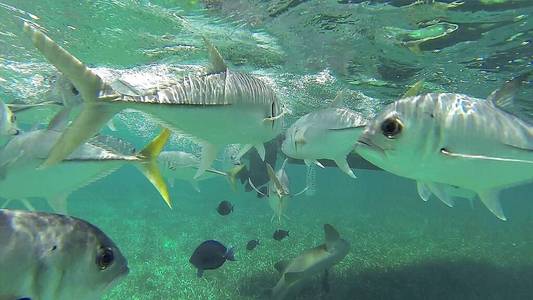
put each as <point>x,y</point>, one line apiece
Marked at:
<point>329,133</point>
<point>179,165</point>
<point>219,108</point>
<point>8,125</point>
<point>252,244</point>
<point>280,234</point>
<point>477,145</point>
<point>225,208</point>
<point>254,167</point>
<point>56,257</point>
<point>310,263</point>
<point>210,255</point>
<point>20,178</point>
<point>278,192</point>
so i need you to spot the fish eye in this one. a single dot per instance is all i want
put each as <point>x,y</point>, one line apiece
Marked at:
<point>391,127</point>
<point>75,91</point>
<point>105,258</point>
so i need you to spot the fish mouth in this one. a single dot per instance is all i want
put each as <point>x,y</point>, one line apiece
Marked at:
<point>366,142</point>
<point>121,274</point>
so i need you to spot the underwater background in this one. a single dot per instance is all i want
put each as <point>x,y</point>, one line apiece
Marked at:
<point>401,247</point>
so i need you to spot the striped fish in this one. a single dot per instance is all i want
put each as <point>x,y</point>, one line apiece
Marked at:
<point>93,160</point>
<point>219,108</point>
<point>477,145</point>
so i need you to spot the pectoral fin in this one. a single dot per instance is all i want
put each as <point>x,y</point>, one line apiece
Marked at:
<point>331,235</point>
<point>492,201</point>
<point>440,192</point>
<point>423,191</point>
<point>343,165</point>
<point>291,277</point>
<point>309,162</point>
<point>484,157</point>
<point>280,266</point>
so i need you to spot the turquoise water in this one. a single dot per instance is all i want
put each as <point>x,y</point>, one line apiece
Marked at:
<point>401,247</point>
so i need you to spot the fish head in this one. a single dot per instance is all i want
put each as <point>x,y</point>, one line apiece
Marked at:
<point>64,91</point>
<point>91,257</point>
<point>294,143</point>
<point>7,121</point>
<point>400,138</point>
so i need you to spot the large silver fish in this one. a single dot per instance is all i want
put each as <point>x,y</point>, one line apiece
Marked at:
<point>310,263</point>
<point>219,108</point>
<point>55,257</point>
<point>20,178</point>
<point>478,145</point>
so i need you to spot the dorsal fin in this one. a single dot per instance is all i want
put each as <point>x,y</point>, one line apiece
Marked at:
<point>503,98</point>
<point>331,234</point>
<point>217,62</point>
<point>338,101</point>
<point>281,266</point>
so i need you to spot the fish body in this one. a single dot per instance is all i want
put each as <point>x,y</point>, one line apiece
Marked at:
<point>21,178</point>
<point>252,244</point>
<point>218,108</point>
<point>210,255</point>
<point>56,257</point>
<point>278,192</point>
<point>179,165</point>
<point>224,208</point>
<point>280,234</point>
<point>330,133</point>
<point>310,263</point>
<point>453,139</point>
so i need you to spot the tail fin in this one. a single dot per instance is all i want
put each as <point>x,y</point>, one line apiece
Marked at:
<point>94,113</point>
<point>149,167</point>
<point>232,175</point>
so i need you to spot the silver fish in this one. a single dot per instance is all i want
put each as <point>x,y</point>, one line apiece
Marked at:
<point>55,257</point>
<point>310,263</point>
<point>329,133</point>
<point>478,145</point>
<point>218,108</point>
<point>20,178</point>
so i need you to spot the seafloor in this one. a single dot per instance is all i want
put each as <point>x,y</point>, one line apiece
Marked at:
<point>401,247</point>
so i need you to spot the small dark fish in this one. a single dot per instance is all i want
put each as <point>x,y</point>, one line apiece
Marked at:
<point>280,234</point>
<point>225,208</point>
<point>210,255</point>
<point>252,244</point>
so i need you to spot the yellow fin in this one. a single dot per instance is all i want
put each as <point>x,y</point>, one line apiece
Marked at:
<point>232,175</point>
<point>149,166</point>
<point>414,90</point>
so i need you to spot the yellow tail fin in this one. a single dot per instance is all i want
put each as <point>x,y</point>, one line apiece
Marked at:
<point>149,166</point>
<point>232,175</point>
